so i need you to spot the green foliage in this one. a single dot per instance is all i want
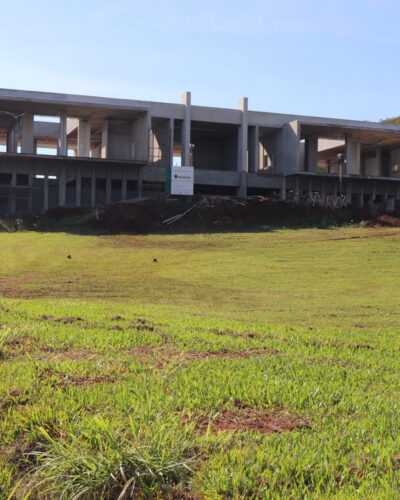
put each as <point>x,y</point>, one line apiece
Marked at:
<point>393,121</point>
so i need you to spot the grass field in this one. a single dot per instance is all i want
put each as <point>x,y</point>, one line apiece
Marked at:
<point>242,366</point>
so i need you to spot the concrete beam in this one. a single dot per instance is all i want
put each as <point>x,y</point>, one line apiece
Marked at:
<point>186,125</point>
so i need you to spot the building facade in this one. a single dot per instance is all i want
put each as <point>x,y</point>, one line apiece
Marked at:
<point>72,150</point>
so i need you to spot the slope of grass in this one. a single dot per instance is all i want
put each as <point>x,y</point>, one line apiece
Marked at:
<point>115,368</point>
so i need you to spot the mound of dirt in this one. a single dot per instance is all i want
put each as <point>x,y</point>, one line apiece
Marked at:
<point>249,419</point>
<point>210,213</point>
<point>382,221</point>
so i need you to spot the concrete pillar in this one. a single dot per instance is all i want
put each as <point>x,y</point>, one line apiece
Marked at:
<point>242,160</point>
<point>62,136</point>
<point>30,193</point>
<point>124,184</point>
<point>104,140</point>
<point>108,187</point>
<point>348,191</point>
<point>361,198</point>
<point>297,189</point>
<point>253,148</point>
<point>83,138</point>
<point>93,188</point>
<point>139,182</point>
<point>12,139</point>
<point>373,190</point>
<point>162,143</point>
<point>186,124</point>
<point>288,149</point>
<point>353,156</point>
<point>379,160</point>
<point>310,187</point>
<point>27,136</point>
<point>311,154</point>
<point>78,187</point>
<point>62,186</point>
<point>140,141</point>
<point>46,192</point>
<point>283,189</point>
<point>323,187</point>
<point>13,193</point>
<point>398,191</point>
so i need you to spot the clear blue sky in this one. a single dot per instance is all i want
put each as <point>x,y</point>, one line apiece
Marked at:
<point>315,57</point>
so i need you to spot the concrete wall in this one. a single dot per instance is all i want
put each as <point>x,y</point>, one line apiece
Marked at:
<point>119,140</point>
<point>395,162</point>
<point>141,137</point>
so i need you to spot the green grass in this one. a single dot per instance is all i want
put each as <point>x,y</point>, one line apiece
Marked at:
<point>109,362</point>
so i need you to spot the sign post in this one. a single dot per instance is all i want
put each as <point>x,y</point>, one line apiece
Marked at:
<point>179,180</point>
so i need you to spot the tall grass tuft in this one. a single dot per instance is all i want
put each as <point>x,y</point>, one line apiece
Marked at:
<point>100,464</point>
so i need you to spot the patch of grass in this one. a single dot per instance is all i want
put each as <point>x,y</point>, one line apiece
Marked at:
<point>236,366</point>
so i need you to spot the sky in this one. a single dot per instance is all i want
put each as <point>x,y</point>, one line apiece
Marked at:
<point>311,57</point>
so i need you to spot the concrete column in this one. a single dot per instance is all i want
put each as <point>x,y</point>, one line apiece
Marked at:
<point>108,187</point>
<point>253,147</point>
<point>323,187</point>
<point>297,189</point>
<point>288,150</point>
<point>361,199</point>
<point>379,160</point>
<point>62,186</point>
<point>398,191</point>
<point>139,182</point>
<point>13,193</point>
<point>124,184</point>
<point>27,136</point>
<point>46,192</point>
<point>311,154</point>
<point>353,156</point>
<point>186,124</point>
<point>62,136</point>
<point>93,188</point>
<point>104,140</point>
<point>83,138</point>
<point>283,189</point>
<point>12,139</point>
<point>30,193</point>
<point>373,190</point>
<point>310,187</point>
<point>348,191</point>
<point>242,163</point>
<point>78,187</point>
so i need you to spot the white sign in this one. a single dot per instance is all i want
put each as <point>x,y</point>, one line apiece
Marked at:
<point>182,180</point>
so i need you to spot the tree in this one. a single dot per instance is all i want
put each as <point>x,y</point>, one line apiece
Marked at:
<point>394,121</point>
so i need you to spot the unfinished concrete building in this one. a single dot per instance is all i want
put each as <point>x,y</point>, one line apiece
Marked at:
<point>72,150</point>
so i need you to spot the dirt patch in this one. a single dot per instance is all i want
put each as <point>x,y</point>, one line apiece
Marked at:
<point>63,380</point>
<point>65,319</point>
<point>250,419</point>
<point>233,333</point>
<point>14,398</point>
<point>226,354</point>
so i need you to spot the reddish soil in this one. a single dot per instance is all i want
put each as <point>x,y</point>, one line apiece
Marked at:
<point>65,380</point>
<point>249,419</point>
